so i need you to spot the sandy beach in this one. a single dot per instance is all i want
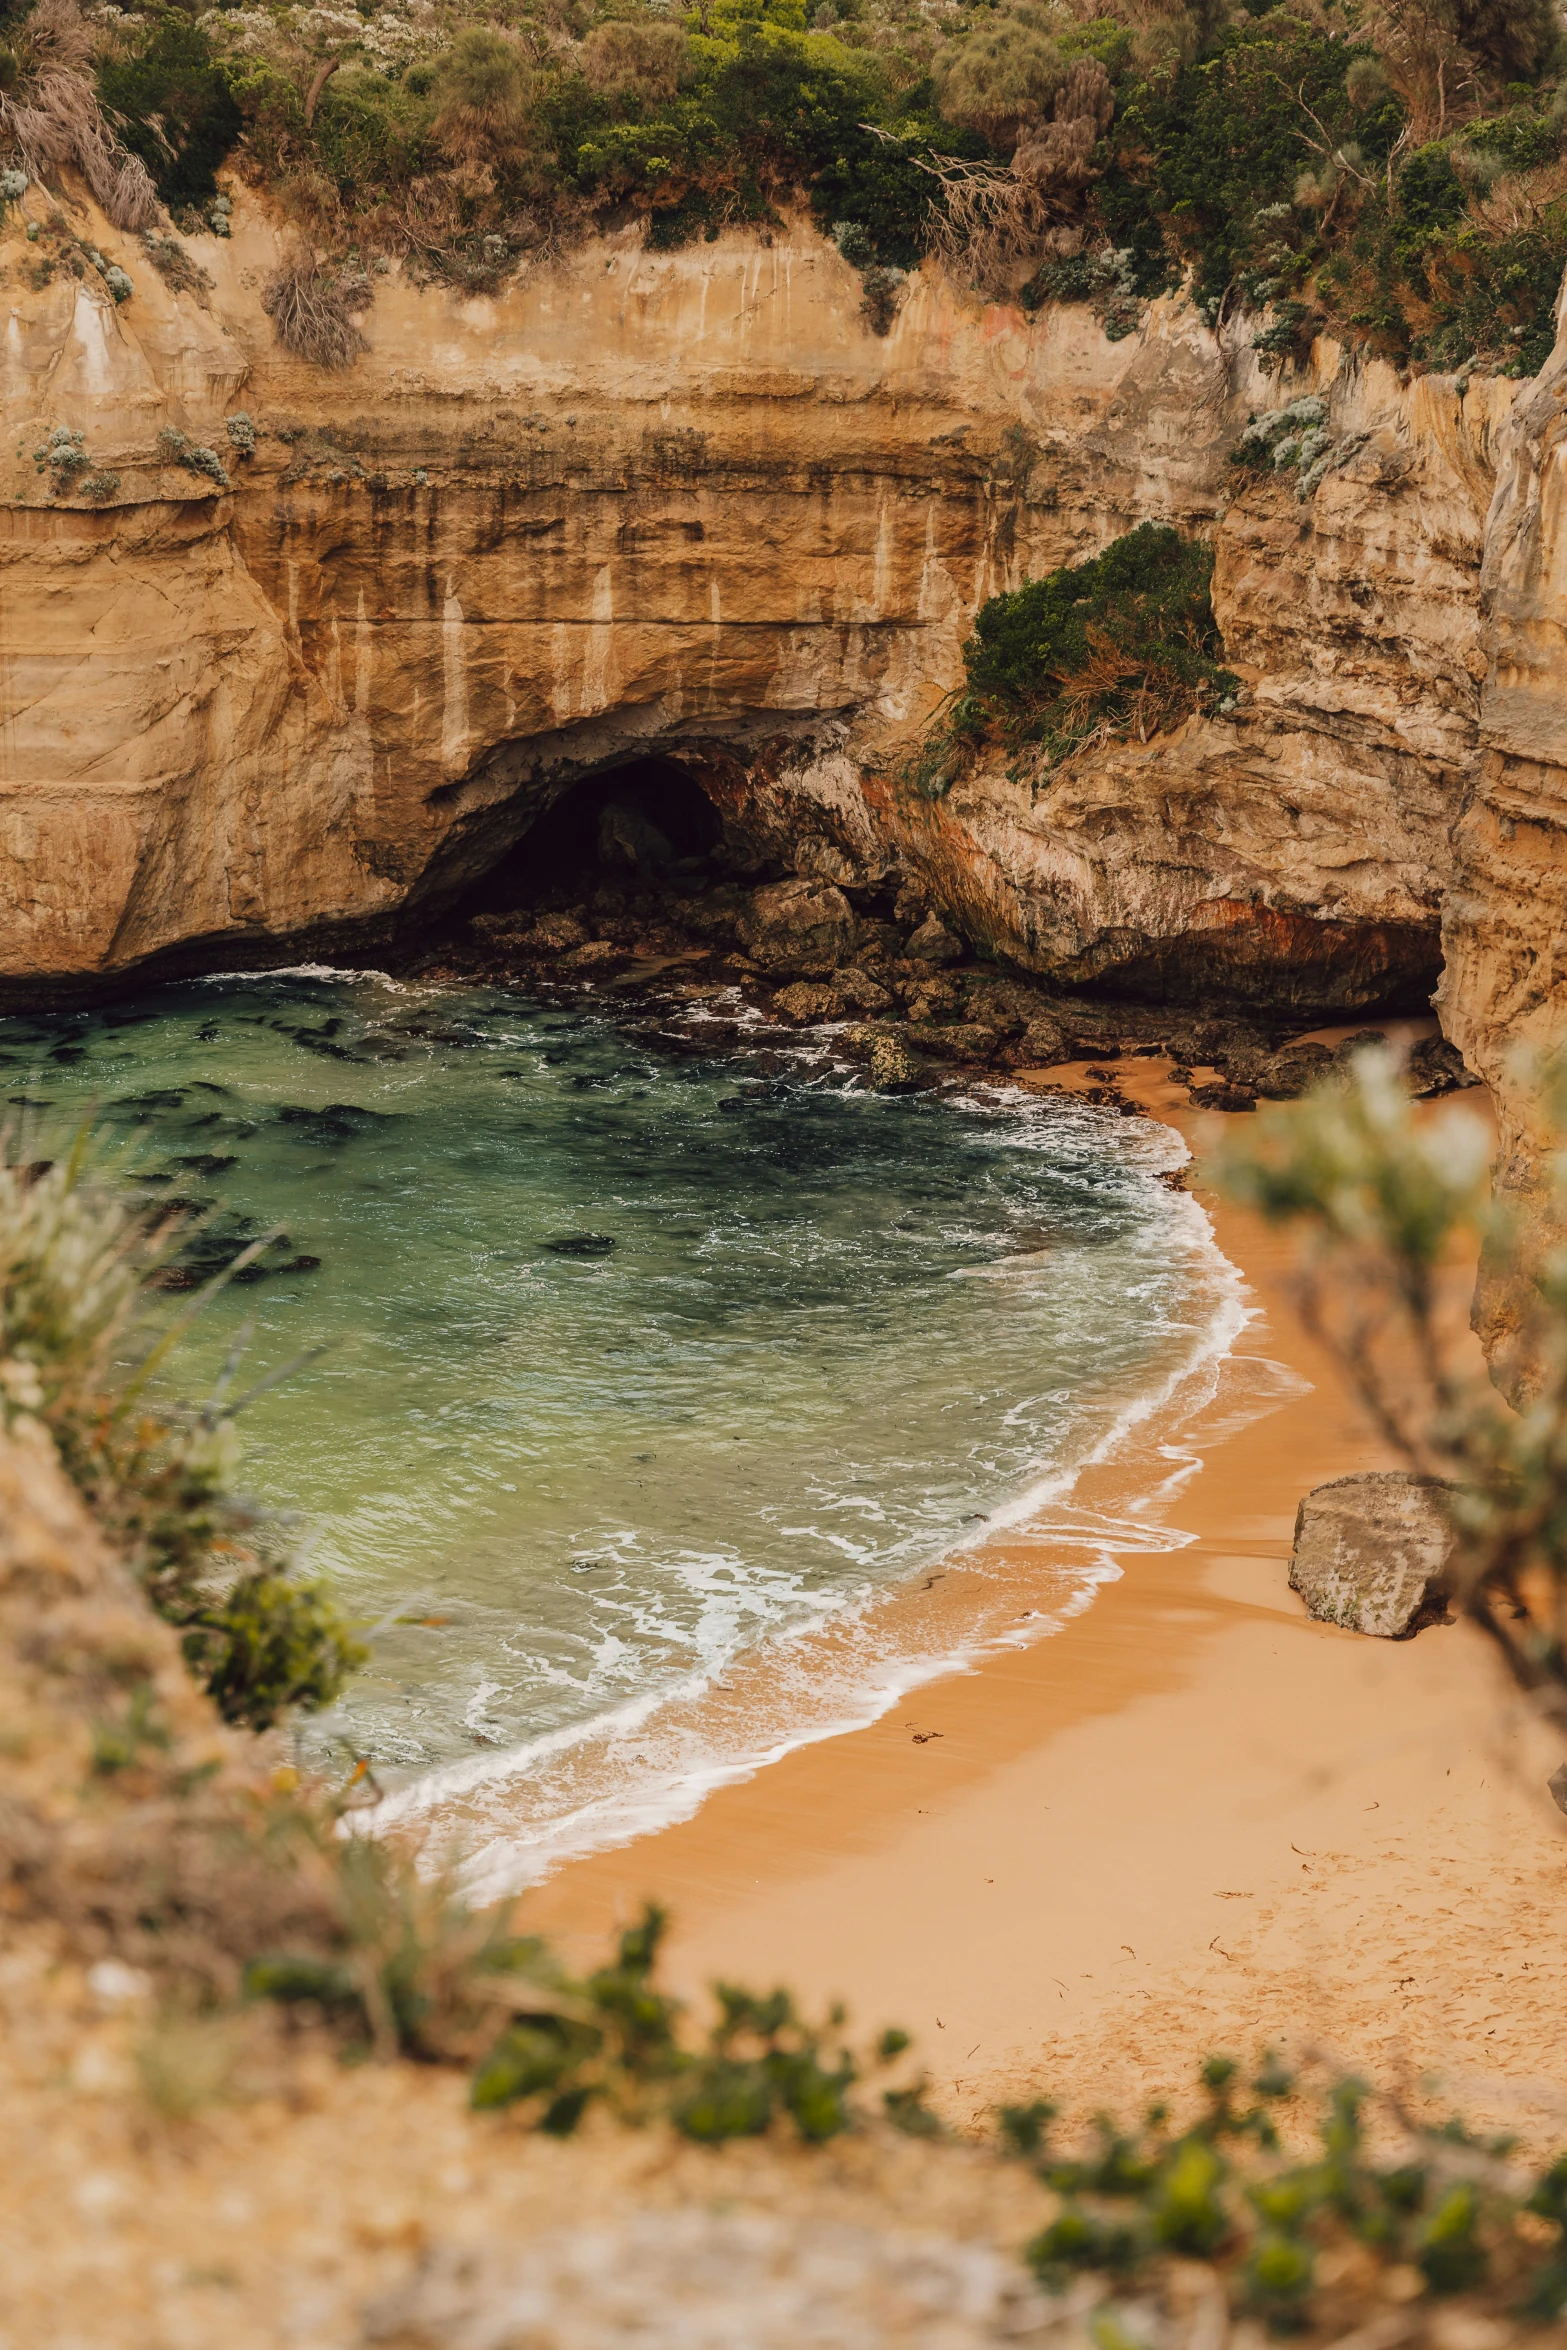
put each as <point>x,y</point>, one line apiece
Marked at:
<point>1188,1818</point>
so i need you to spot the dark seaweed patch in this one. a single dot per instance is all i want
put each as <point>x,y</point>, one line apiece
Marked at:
<point>323,1045</point>
<point>330,1128</point>
<point>582,1244</point>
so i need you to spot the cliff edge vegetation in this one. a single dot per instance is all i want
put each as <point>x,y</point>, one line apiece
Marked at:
<point>1388,172</point>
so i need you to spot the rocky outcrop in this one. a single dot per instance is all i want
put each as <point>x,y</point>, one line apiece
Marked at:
<point>1505,924</point>
<point>688,504</point>
<point>1374,1553</point>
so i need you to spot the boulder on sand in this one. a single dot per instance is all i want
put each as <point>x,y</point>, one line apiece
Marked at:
<point>1374,1553</point>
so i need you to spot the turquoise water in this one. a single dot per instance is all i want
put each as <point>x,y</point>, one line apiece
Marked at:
<point>633,1364</point>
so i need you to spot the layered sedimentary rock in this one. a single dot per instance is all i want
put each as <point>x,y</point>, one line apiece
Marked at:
<point>688,503</point>
<point>1505,929</point>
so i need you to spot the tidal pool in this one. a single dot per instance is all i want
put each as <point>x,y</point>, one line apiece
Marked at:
<point>633,1365</point>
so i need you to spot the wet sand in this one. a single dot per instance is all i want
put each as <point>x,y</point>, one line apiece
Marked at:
<point>1190,1817</point>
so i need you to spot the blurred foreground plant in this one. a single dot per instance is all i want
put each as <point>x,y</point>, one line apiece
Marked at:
<point>1444,2212</point>
<point>419,1973</point>
<point>1387,1202</point>
<point>80,1345</point>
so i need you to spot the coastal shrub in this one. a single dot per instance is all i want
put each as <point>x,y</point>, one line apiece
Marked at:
<point>482,92</point>
<point>1123,643</point>
<point>62,455</point>
<point>50,112</point>
<point>1494,299</point>
<point>175,448</point>
<point>172,101</point>
<point>80,1343</point>
<point>1433,2204</point>
<point>1326,175</point>
<point>1004,75</point>
<point>174,264</point>
<point>418,1971</point>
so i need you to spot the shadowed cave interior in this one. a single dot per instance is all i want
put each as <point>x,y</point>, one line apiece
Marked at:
<point>647,821</point>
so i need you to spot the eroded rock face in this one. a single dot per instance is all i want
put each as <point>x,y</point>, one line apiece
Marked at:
<point>1373,1553</point>
<point>688,504</point>
<point>798,926</point>
<point>1503,999</point>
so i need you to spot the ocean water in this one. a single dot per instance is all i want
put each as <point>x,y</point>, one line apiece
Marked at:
<point>634,1369</point>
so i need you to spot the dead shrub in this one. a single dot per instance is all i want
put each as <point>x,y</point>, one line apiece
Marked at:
<point>51,116</point>
<point>312,310</point>
<point>995,222</point>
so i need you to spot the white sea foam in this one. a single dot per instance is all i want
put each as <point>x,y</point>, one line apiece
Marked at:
<point>518,1815</point>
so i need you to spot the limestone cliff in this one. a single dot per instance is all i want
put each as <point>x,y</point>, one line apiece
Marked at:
<point>689,503</point>
<point>1505,924</point>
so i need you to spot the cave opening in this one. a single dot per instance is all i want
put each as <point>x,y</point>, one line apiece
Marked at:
<point>642,825</point>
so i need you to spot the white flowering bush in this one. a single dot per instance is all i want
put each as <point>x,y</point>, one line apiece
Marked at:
<point>176,449</point>
<point>63,456</point>
<point>1297,438</point>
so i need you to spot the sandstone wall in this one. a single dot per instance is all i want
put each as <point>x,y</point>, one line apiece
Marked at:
<point>1503,997</point>
<point>688,502</point>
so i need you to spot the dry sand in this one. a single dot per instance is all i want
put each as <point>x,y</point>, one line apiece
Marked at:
<point>1190,1818</point>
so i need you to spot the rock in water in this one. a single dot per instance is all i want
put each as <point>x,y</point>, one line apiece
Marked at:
<point>806,1002</point>
<point>890,1065</point>
<point>802,926</point>
<point>1374,1553</point>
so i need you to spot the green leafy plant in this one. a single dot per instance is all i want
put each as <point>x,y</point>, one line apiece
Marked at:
<point>616,2037</point>
<point>81,1342</point>
<point>170,96</point>
<point>1223,2190</point>
<point>1124,643</point>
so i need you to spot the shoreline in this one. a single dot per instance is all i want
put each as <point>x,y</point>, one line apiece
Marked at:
<point>1188,1817</point>
<point>1034,1567</point>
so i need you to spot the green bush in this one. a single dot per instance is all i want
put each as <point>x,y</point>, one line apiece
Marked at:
<point>1198,157</point>
<point>617,2038</point>
<point>1495,296</point>
<point>1223,2191</point>
<point>1127,638</point>
<point>80,1343</point>
<point>372,136</point>
<point>171,102</point>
